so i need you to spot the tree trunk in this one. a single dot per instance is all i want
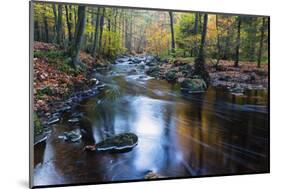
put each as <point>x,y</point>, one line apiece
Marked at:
<point>109,36</point>
<point>115,20</point>
<point>36,31</point>
<point>69,23</point>
<point>261,42</point>
<point>237,42</point>
<point>76,44</point>
<point>59,25</point>
<point>252,38</point>
<point>200,60</point>
<point>218,41</point>
<point>92,25</point>
<point>195,29</point>
<point>46,27</point>
<point>172,31</point>
<point>96,33</point>
<point>131,32</point>
<point>101,29</point>
<point>56,22</point>
<point>75,17</point>
<point>127,33</point>
<point>195,32</point>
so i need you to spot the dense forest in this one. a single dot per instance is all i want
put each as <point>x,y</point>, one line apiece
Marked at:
<point>113,31</point>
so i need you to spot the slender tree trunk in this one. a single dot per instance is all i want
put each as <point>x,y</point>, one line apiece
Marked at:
<point>124,30</point>
<point>172,31</point>
<point>200,22</point>
<point>195,29</point>
<point>59,25</point>
<point>69,23</point>
<point>101,29</point>
<point>76,44</point>
<point>36,31</point>
<point>126,34</point>
<point>261,42</point>
<point>96,33</point>
<point>92,24</point>
<point>236,63</point>
<point>218,41</point>
<point>252,39</point>
<point>115,20</point>
<point>75,17</point>
<point>46,26</point>
<point>200,60</point>
<point>109,36</point>
<point>131,32</point>
<point>56,22</point>
<point>195,32</point>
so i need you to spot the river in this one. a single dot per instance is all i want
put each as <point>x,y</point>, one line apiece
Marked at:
<point>213,133</point>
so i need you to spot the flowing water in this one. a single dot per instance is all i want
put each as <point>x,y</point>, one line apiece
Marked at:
<point>213,133</point>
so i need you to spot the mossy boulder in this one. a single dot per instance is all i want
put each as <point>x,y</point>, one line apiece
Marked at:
<point>153,71</point>
<point>171,75</point>
<point>151,63</point>
<point>118,142</point>
<point>193,85</point>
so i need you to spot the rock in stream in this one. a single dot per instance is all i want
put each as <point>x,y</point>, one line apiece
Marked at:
<point>120,142</point>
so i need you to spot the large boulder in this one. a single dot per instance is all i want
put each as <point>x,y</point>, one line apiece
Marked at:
<point>171,75</point>
<point>149,59</point>
<point>185,67</point>
<point>153,71</point>
<point>193,85</point>
<point>151,64</point>
<point>120,142</point>
<point>141,65</point>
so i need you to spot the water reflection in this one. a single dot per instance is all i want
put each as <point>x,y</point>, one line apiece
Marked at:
<point>205,134</point>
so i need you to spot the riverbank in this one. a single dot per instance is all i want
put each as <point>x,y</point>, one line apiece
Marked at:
<point>225,75</point>
<point>57,86</point>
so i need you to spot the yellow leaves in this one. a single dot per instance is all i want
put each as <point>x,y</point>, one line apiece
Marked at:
<point>157,39</point>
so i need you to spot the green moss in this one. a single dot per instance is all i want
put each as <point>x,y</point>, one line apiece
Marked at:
<point>43,91</point>
<point>49,54</point>
<point>38,128</point>
<point>60,60</point>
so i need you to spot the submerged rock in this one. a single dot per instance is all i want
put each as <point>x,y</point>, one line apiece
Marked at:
<point>77,115</point>
<point>64,109</point>
<point>152,175</point>
<point>151,64</point>
<point>194,85</point>
<point>40,139</point>
<point>141,65</point>
<point>72,136</point>
<point>120,142</point>
<point>53,120</point>
<point>73,120</point>
<point>238,90</point>
<point>132,71</point>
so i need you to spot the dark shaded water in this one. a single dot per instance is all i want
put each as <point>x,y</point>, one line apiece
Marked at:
<point>179,136</point>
